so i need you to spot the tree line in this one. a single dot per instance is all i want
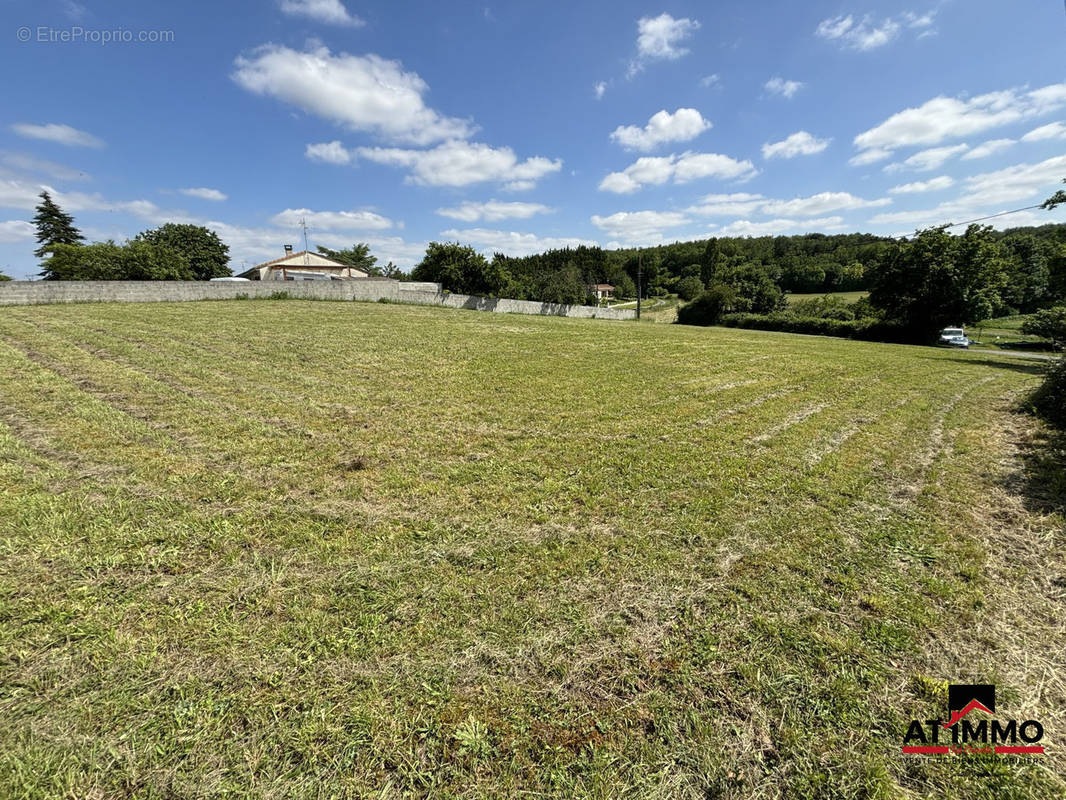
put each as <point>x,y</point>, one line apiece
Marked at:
<point>171,252</point>
<point>916,285</point>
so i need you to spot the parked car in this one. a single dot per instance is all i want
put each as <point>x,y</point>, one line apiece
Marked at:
<point>229,280</point>
<point>954,337</point>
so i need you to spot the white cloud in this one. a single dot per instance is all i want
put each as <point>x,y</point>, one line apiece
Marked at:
<point>639,226</point>
<point>60,134</point>
<point>23,162</point>
<point>943,214</point>
<point>1019,182</point>
<point>863,35</point>
<point>332,220</point>
<point>780,227</point>
<point>330,12</point>
<point>680,169</point>
<point>928,160</point>
<point>1056,130</point>
<point>919,187</point>
<point>711,80</point>
<point>681,126</point>
<point>204,194</point>
<point>728,205</point>
<point>459,163</point>
<point>16,230</point>
<point>821,203</point>
<point>523,185</point>
<point>798,144</point>
<point>988,193</point>
<point>922,22</point>
<point>743,205</point>
<point>659,39</point>
<point>782,87</point>
<point>951,118</point>
<point>493,211</point>
<point>600,88</point>
<point>513,243</point>
<point>328,153</point>
<point>870,157</point>
<point>988,148</point>
<point>364,93</point>
<point>25,195</point>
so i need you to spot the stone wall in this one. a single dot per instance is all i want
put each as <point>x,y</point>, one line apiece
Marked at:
<point>21,293</point>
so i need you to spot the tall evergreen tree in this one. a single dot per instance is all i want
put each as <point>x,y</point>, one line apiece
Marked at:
<point>358,256</point>
<point>54,226</point>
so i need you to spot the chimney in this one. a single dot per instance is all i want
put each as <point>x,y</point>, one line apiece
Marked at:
<point>288,249</point>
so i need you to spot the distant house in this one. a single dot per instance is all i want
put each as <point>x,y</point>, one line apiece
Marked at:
<point>302,266</point>
<point>603,291</point>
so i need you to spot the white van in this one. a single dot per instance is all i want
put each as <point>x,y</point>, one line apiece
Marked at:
<point>954,337</point>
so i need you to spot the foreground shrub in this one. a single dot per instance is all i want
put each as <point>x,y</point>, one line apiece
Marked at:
<point>1048,324</point>
<point>1049,398</point>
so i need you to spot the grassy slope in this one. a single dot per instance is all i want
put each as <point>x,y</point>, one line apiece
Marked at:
<point>291,549</point>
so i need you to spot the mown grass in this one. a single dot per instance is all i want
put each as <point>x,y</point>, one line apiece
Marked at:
<point>294,549</point>
<point>1005,332</point>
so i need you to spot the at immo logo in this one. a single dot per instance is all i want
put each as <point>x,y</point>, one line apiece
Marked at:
<point>972,728</point>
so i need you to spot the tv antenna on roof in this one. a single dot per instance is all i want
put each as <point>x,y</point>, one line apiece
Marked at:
<point>307,247</point>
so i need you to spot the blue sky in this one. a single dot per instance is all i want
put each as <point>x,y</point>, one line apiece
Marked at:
<point>526,125</point>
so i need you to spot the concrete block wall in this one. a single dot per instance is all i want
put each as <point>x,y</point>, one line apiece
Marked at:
<point>21,293</point>
<point>38,292</point>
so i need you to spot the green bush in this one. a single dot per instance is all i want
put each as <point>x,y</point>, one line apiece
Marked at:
<point>106,261</point>
<point>1048,324</point>
<point>709,307</point>
<point>790,323</point>
<point>1049,398</point>
<point>867,328</point>
<point>824,308</point>
<point>689,288</point>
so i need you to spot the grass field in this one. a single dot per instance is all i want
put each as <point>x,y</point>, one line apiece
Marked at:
<point>295,549</point>
<point>1004,332</point>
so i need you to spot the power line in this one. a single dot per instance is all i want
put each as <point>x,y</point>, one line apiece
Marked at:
<point>979,219</point>
<point>992,216</point>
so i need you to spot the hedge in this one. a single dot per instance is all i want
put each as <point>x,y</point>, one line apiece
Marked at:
<point>867,329</point>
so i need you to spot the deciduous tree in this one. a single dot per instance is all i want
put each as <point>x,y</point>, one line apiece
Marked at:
<point>938,280</point>
<point>137,260</point>
<point>206,254</point>
<point>461,269</point>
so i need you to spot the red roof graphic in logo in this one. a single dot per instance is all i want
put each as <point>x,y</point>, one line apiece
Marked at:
<point>956,716</point>
<point>964,698</point>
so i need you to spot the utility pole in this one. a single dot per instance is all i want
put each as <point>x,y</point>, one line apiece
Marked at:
<point>640,278</point>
